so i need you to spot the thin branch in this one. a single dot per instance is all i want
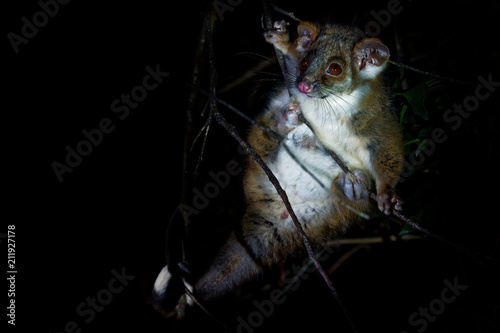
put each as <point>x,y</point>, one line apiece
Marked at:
<point>372,240</point>
<point>302,271</point>
<point>408,221</point>
<point>345,257</point>
<point>205,129</point>
<point>247,75</point>
<point>437,76</point>
<point>335,157</point>
<point>361,242</point>
<point>235,110</point>
<point>289,14</point>
<point>272,178</point>
<point>172,248</point>
<point>280,137</point>
<point>202,307</point>
<point>473,254</point>
<point>269,25</point>
<point>400,57</point>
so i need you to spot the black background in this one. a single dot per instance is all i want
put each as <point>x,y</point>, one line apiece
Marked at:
<point>111,212</point>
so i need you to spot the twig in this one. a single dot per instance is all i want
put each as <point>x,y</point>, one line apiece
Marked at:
<point>289,14</point>
<point>461,249</point>
<point>335,157</point>
<point>196,75</point>
<point>272,178</point>
<point>408,221</point>
<point>400,56</point>
<point>247,75</point>
<point>202,307</point>
<point>175,250</point>
<point>205,129</point>
<point>361,242</point>
<point>345,257</point>
<point>269,25</point>
<point>280,137</point>
<point>437,76</point>
<point>372,240</point>
<point>235,110</point>
<point>302,271</point>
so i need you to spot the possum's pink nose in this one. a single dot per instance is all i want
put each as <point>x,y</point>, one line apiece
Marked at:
<point>305,88</point>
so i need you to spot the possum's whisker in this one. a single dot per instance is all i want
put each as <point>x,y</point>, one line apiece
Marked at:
<point>255,55</point>
<point>269,73</point>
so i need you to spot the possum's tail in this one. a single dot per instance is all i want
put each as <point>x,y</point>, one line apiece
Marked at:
<point>169,292</point>
<point>234,265</point>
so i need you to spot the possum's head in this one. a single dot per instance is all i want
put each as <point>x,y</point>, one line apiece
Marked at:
<point>339,60</point>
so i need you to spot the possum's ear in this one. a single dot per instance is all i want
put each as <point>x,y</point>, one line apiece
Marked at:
<point>308,32</point>
<point>370,54</point>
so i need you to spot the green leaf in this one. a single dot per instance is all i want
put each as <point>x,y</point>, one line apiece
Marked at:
<point>402,115</point>
<point>406,230</point>
<point>411,141</point>
<point>435,84</point>
<point>416,98</point>
<point>421,146</point>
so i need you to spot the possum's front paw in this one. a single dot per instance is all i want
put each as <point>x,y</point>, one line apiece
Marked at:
<point>387,200</point>
<point>355,187</point>
<point>278,36</point>
<point>290,116</point>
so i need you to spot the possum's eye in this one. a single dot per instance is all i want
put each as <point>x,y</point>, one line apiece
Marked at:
<point>334,69</point>
<point>304,63</point>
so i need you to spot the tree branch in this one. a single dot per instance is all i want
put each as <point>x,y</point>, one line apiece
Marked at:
<point>346,256</point>
<point>269,25</point>
<point>205,129</point>
<point>284,12</point>
<point>280,137</point>
<point>247,75</point>
<point>437,76</point>
<point>407,220</point>
<point>272,178</point>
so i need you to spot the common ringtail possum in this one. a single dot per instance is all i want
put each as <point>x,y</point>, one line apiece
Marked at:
<point>334,81</point>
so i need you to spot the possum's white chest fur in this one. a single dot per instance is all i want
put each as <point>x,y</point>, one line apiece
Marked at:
<point>310,195</point>
<point>330,119</point>
<point>299,183</point>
